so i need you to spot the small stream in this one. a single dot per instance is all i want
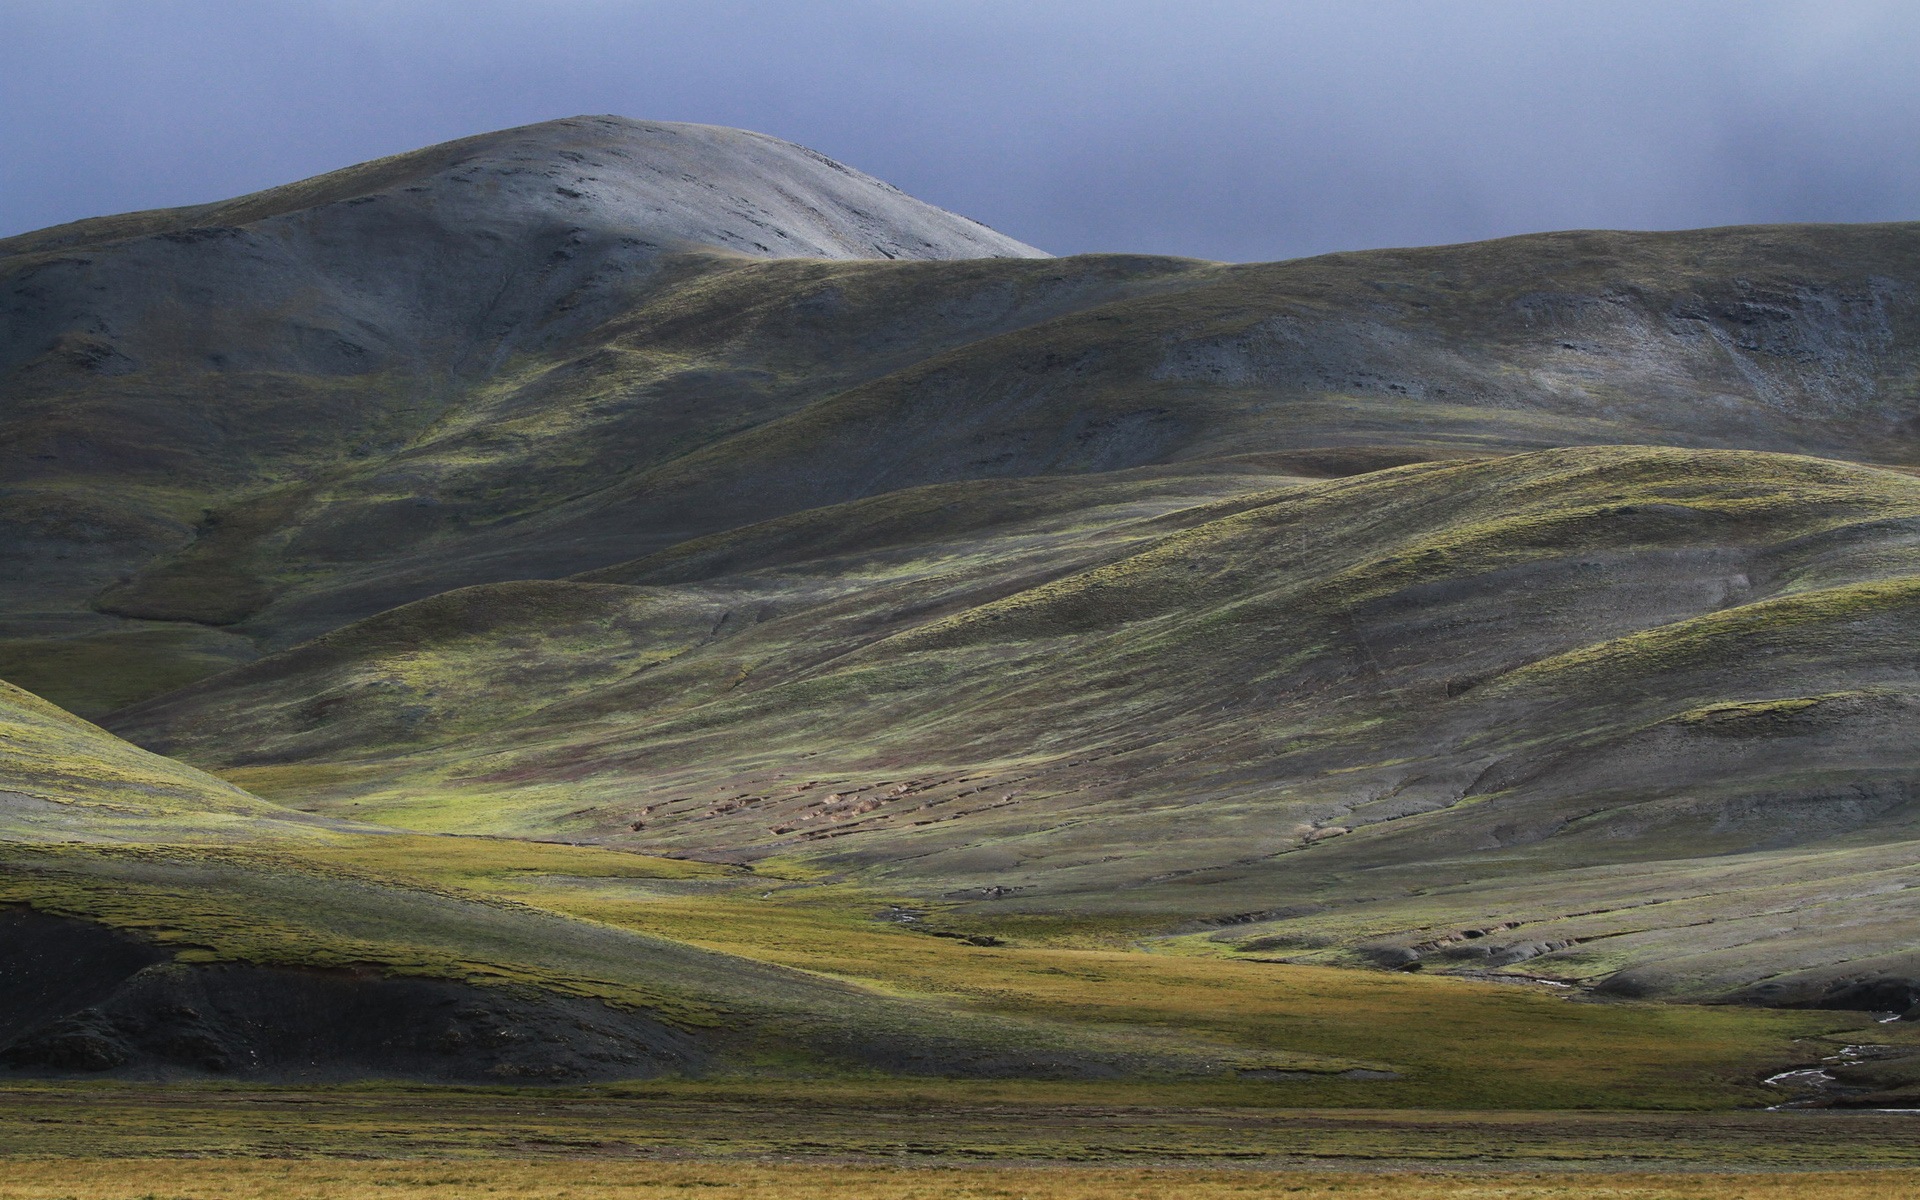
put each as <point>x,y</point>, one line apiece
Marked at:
<point>1816,1087</point>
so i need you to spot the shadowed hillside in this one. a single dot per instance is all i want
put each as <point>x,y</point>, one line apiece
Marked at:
<point>185,441</point>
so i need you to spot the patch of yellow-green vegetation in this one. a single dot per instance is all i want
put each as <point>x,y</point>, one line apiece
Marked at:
<point>483,863</point>
<point>410,792</point>
<point>49,754</point>
<point>1060,931</point>
<point>1777,623</point>
<point>426,796</point>
<point>278,908</point>
<point>1457,1043</point>
<point>1752,710</point>
<point>292,783</point>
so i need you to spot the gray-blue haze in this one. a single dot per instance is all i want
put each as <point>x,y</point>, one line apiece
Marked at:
<point>1223,130</point>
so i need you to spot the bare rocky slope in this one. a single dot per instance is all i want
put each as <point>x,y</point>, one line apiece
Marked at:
<point>1535,606</point>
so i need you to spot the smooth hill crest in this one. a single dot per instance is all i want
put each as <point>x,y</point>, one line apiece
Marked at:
<point>668,185</point>
<point>457,252</point>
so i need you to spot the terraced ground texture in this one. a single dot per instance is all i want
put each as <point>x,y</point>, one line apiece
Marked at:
<point>614,600</point>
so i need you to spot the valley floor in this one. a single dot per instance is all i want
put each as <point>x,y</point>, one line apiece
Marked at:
<point>886,1121</point>
<point>1292,1036</point>
<point>96,1180</point>
<point>94,1142</point>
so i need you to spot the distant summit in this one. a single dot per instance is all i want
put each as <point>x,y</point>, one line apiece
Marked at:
<point>657,185</point>
<point>458,254</point>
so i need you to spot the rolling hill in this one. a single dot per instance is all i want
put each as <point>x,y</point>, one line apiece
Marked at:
<point>1539,609</point>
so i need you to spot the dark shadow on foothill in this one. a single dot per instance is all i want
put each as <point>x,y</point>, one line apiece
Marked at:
<point>77,998</point>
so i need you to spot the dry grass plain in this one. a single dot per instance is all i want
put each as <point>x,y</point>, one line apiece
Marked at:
<point>337,1180</point>
<point>207,1141</point>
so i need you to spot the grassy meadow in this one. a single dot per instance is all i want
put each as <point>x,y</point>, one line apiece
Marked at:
<point>1454,1043</point>
<point>718,945</point>
<point>906,1123</point>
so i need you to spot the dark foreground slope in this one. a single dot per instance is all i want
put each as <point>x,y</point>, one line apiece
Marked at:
<point>1538,606</point>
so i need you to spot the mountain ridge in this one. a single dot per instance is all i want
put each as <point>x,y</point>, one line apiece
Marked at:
<point>1538,609</point>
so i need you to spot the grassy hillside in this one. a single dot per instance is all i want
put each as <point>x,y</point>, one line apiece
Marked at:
<point>872,1000</point>
<point>218,886</point>
<point>1438,680</point>
<point>729,973</point>
<point>216,882</point>
<point>64,780</point>
<point>713,655</point>
<point>238,473</point>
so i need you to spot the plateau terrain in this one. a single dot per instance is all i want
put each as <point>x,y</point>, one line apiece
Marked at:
<point>617,600</point>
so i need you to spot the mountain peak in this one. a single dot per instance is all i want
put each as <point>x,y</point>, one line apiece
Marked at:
<point>731,189</point>
<point>657,185</point>
<point>460,253</point>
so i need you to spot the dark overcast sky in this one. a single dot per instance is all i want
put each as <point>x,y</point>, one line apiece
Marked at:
<point>1225,130</point>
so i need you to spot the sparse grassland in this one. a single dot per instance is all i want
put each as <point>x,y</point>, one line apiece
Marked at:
<point>507,1180</point>
<point>1457,1043</point>
<point>898,1120</point>
<point>1129,701</point>
<point>708,946</point>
